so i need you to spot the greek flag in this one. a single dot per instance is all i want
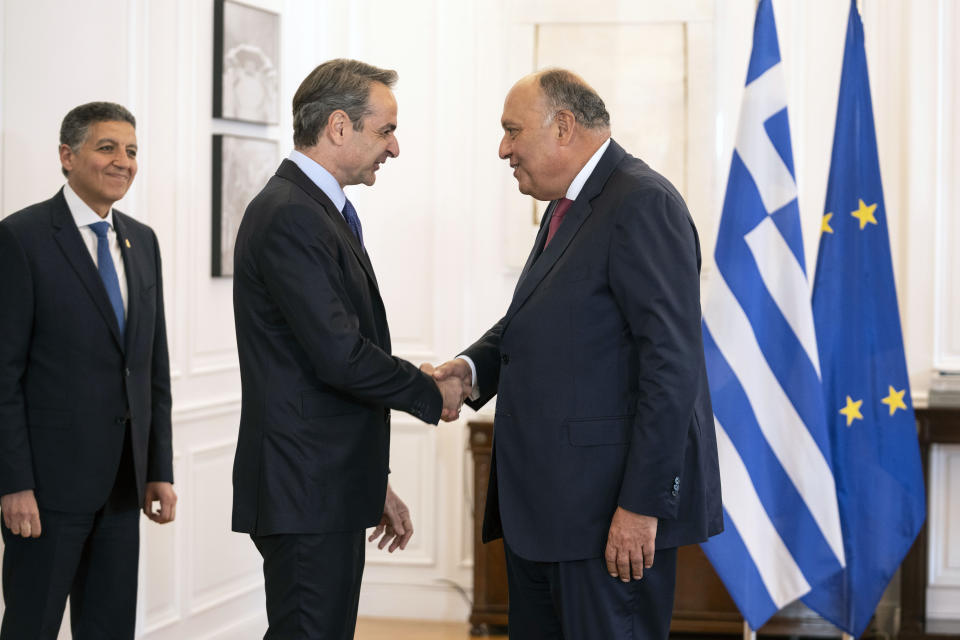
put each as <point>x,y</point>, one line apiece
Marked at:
<point>873,434</point>
<point>782,522</point>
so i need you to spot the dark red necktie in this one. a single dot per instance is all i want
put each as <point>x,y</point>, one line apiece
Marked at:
<point>559,211</point>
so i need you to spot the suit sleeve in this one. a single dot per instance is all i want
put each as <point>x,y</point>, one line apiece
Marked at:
<point>654,277</point>
<point>16,323</point>
<point>160,454</point>
<point>304,278</point>
<point>485,354</point>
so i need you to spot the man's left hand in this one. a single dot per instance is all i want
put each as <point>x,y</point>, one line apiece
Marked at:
<point>395,524</point>
<point>163,493</point>
<point>630,544</point>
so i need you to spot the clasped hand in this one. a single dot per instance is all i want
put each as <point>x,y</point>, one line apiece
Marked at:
<point>455,381</point>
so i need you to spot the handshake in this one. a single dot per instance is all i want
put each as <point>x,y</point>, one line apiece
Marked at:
<point>455,381</point>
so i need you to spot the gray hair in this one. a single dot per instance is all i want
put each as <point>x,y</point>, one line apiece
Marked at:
<point>76,124</point>
<point>565,90</point>
<point>339,84</point>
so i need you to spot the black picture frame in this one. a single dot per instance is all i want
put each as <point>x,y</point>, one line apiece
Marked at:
<point>241,167</point>
<point>246,63</point>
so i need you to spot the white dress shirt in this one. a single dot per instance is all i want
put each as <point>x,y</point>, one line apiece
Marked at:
<point>576,186</point>
<point>84,216</point>
<point>320,177</point>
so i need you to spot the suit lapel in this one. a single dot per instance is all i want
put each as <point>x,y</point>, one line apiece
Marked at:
<point>290,171</point>
<point>133,268</point>
<point>537,245</point>
<point>539,266</point>
<point>67,235</point>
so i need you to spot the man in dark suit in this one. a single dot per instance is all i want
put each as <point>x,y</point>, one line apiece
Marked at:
<point>318,378</point>
<point>604,447</point>
<point>84,391</point>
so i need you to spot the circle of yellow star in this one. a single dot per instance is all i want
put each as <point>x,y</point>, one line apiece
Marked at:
<point>825,223</point>
<point>895,400</point>
<point>864,214</point>
<point>852,410</point>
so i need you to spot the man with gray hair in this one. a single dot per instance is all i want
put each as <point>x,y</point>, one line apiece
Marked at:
<point>604,454</point>
<point>84,391</point>
<point>318,377</point>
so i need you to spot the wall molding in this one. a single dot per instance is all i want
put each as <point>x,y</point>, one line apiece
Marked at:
<point>172,612</point>
<point>206,597</point>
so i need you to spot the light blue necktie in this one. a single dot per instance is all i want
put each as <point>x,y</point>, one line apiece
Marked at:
<point>108,272</point>
<point>353,221</point>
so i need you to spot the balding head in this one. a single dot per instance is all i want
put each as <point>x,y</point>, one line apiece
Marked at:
<point>553,122</point>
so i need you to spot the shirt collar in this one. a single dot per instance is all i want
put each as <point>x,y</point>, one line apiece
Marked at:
<point>320,177</point>
<point>577,185</point>
<point>83,215</point>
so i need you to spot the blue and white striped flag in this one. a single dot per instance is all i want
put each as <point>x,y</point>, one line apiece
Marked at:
<point>780,504</point>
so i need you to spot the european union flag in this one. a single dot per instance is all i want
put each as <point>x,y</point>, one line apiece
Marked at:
<point>873,436</point>
<point>782,524</point>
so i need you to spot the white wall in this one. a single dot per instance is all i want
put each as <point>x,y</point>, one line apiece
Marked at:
<point>444,221</point>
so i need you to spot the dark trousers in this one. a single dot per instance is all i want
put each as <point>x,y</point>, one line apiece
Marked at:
<point>312,583</point>
<point>92,557</point>
<point>579,600</point>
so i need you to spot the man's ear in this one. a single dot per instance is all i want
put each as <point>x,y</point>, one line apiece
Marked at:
<point>66,157</point>
<point>565,123</point>
<point>337,125</point>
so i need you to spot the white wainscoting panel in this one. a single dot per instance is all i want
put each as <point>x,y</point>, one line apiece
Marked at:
<point>224,564</point>
<point>161,564</point>
<point>943,594</point>
<point>413,479</point>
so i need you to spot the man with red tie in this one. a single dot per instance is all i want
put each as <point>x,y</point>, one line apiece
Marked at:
<point>604,455</point>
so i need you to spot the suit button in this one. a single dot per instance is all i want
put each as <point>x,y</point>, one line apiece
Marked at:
<point>121,420</point>
<point>674,493</point>
<point>126,372</point>
<point>505,358</point>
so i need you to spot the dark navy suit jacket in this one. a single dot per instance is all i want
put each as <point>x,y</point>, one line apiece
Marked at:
<point>599,371</point>
<point>69,384</point>
<point>317,374</point>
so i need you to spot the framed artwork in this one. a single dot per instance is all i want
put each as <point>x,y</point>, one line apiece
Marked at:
<point>246,54</point>
<point>241,167</point>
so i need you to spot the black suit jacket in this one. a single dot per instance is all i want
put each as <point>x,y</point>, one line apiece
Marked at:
<point>599,368</point>
<point>318,378</point>
<point>69,385</point>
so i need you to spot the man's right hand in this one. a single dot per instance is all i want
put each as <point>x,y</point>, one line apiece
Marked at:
<point>21,514</point>
<point>456,368</point>
<point>453,388</point>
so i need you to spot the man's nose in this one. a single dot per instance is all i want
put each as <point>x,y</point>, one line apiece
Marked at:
<point>504,149</point>
<point>122,159</point>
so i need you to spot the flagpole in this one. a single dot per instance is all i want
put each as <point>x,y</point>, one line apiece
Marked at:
<point>748,633</point>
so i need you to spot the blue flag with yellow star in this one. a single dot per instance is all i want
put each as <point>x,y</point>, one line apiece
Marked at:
<point>873,435</point>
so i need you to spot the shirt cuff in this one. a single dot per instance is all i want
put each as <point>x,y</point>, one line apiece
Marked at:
<point>475,392</point>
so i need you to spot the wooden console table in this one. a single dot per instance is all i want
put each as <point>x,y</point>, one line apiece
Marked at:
<point>702,608</point>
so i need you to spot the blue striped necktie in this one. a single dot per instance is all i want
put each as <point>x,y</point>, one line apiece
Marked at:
<point>353,221</point>
<point>108,272</point>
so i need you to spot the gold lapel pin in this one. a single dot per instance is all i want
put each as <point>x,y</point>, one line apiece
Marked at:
<point>127,240</point>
